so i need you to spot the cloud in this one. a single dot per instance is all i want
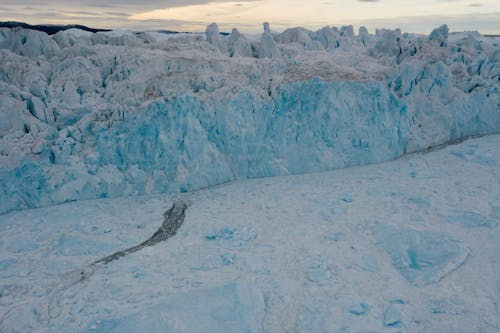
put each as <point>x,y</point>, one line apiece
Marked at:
<point>485,23</point>
<point>129,5</point>
<point>108,14</point>
<point>247,15</point>
<point>116,14</point>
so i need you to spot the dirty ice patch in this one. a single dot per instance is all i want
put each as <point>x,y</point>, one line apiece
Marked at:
<point>421,257</point>
<point>234,307</point>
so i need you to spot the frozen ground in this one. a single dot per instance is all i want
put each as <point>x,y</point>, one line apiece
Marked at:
<point>405,246</point>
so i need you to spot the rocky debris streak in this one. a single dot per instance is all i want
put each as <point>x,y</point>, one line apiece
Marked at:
<point>90,115</point>
<point>173,219</point>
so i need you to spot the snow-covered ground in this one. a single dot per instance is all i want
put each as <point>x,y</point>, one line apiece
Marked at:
<point>85,116</point>
<point>410,245</point>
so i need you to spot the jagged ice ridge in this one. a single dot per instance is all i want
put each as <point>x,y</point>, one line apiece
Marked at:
<point>112,114</point>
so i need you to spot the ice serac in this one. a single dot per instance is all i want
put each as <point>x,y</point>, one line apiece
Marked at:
<point>213,36</point>
<point>239,45</point>
<point>268,47</point>
<point>440,35</point>
<point>115,113</point>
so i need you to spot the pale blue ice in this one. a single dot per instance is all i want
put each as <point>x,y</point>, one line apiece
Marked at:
<point>92,121</point>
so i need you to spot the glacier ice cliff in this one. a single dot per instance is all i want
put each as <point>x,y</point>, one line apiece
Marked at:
<point>118,113</point>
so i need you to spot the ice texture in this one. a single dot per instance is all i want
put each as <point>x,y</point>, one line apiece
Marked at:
<point>116,113</point>
<point>422,257</point>
<point>392,316</point>
<point>280,254</point>
<point>235,307</point>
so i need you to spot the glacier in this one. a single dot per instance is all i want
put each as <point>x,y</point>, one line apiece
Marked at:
<point>374,248</point>
<point>109,114</point>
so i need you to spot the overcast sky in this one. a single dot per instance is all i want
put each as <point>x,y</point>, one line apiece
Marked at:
<point>193,15</point>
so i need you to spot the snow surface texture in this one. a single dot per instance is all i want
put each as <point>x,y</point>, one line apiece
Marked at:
<point>404,246</point>
<point>113,114</point>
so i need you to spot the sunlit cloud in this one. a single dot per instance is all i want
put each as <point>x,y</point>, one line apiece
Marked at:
<point>485,23</point>
<point>204,12</point>
<point>285,13</point>
<point>248,15</point>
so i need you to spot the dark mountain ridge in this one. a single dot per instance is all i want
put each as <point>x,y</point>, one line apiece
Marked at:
<point>50,29</point>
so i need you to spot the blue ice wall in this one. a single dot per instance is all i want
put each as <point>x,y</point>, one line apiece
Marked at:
<point>118,123</point>
<point>189,143</point>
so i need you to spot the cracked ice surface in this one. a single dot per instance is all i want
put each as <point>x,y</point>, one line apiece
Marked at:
<point>86,116</point>
<point>377,248</point>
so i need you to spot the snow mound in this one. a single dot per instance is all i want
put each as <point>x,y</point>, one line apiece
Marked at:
<point>118,113</point>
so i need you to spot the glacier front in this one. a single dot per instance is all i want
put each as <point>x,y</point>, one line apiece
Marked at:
<point>118,113</point>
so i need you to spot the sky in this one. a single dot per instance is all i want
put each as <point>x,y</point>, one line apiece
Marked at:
<point>419,16</point>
